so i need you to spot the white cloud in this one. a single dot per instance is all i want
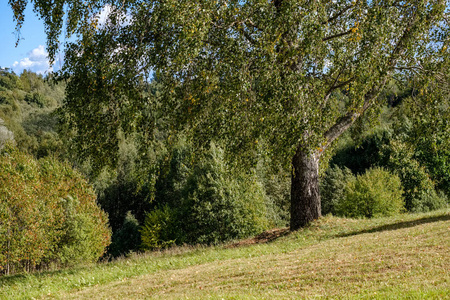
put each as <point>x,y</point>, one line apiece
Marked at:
<point>36,61</point>
<point>103,15</point>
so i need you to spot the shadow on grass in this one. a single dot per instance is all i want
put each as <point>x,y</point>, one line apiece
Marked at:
<point>274,234</point>
<point>263,238</point>
<point>399,225</point>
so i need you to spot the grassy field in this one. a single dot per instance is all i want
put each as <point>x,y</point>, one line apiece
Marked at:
<point>403,257</point>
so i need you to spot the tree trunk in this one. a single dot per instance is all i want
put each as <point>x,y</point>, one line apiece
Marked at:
<point>305,197</point>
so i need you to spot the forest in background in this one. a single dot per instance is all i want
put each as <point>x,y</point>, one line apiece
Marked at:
<point>173,193</point>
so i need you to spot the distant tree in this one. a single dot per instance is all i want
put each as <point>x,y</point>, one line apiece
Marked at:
<point>242,70</point>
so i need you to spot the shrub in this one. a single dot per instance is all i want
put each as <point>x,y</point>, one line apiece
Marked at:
<point>85,231</point>
<point>419,190</point>
<point>373,194</point>
<point>203,201</point>
<point>127,238</point>
<point>429,200</point>
<point>421,164</point>
<point>48,214</point>
<point>332,187</point>
<point>219,205</point>
<point>159,229</point>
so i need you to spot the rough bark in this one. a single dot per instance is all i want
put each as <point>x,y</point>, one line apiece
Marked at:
<point>305,197</point>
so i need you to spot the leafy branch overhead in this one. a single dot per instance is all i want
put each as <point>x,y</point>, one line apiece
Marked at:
<point>297,73</point>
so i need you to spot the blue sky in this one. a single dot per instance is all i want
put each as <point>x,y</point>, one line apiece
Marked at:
<point>30,54</point>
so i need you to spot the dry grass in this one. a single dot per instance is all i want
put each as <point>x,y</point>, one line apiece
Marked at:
<point>408,259</point>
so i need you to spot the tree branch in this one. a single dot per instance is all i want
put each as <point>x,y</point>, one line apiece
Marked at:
<point>250,22</point>
<point>334,86</point>
<point>343,123</point>
<point>342,84</point>
<point>247,36</point>
<point>336,35</point>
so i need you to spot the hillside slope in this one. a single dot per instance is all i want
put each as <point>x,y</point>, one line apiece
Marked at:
<point>402,257</point>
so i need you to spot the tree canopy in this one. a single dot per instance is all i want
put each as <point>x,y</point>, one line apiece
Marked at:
<point>296,73</point>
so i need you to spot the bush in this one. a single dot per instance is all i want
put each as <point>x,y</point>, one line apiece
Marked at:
<point>421,164</point>
<point>332,187</point>
<point>159,229</point>
<point>429,200</point>
<point>202,201</point>
<point>127,238</point>
<point>373,194</point>
<point>419,190</point>
<point>220,205</point>
<point>48,215</point>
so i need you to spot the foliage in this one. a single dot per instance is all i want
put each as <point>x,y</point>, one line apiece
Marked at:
<point>271,53</point>
<point>373,194</point>
<point>123,196</point>
<point>276,184</point>
<point>48,214</point>
<point>200,200</point>
<point>6,136</point>
<point>173,173</point>
<point>27,109</point>
<point>410,144</point>
<point>176,203</point>
<point>220,205</point>
<point>159,228</point>
<point>127,238</point>
<point>332,188</point>
<point>428,136</point>
<point>420,193</point>
<point>275,179</point>
<point>435,156</point>
<point>8,80</point>
<point>128,187</point>
<point>364,154</point>
<point>36,98</point>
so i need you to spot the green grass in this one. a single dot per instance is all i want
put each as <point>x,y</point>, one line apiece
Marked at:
<point>402,257</point>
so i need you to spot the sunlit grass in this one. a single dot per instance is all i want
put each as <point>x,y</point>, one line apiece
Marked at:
<point>400,257</point>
